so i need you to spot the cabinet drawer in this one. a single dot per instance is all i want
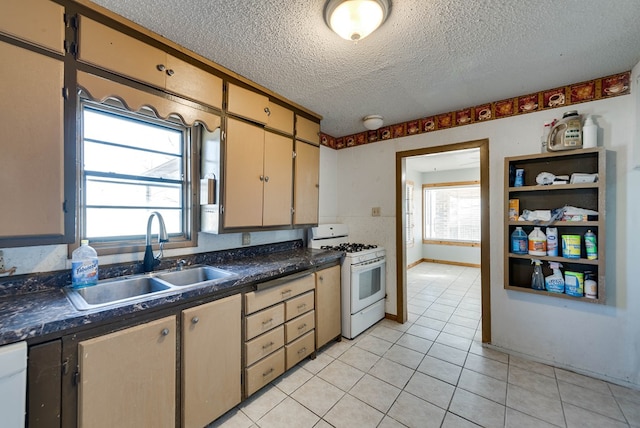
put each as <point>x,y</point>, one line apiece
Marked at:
<point>256,300</point>
<point>264,371</point>
<point>298,305</point>
<point>264,345</point>
<point>263,321</point>
<point>299,326</point>
<point>299,349</point>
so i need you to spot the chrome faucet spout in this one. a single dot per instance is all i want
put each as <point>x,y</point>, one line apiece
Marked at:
<point>149,260</point>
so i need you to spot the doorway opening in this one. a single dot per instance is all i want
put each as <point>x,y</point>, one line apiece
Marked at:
<point>404,218</point>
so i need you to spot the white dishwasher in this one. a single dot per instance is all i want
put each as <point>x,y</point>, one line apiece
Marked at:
<point>13,384</point>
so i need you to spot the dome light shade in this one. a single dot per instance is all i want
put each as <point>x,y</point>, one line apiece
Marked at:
<point>372,122</point>
<point>355,19</point>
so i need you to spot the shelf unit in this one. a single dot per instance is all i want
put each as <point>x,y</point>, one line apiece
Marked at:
<point>531,196</point>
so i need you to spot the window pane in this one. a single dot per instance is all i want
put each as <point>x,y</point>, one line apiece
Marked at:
<point>106,223</point>
<point>134,194</point>
<point>452,213</point>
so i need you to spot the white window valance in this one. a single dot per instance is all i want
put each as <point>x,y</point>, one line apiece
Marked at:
<point>100,90</point>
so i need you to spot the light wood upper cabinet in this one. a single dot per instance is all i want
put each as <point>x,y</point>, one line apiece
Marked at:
<point>307,130</point>
<point>104,47</point>
<point>211,360</point>
<point>328,322</point>
<point>128,378</point>
<point>280,119</point>
<point>278,176</point>
<point>306,183</point>
<point>40,22</point>
<point>32,160</point>
<point>258,177</point>
<point>247,104</point>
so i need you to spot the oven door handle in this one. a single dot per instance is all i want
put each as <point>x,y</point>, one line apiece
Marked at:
<point>368,266</point>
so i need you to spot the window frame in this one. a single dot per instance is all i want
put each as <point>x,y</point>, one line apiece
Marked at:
<point>192,140</point>
<point>455,242</point>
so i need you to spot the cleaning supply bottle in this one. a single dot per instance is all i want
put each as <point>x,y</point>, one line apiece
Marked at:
<point>589,134</point>
<point>519,241</point>
<point>537,279</point>
<point>84,266</point>
<point>537,243</point>
<point>554,283</point>
<point>552,241</point>
<point>591,245</point>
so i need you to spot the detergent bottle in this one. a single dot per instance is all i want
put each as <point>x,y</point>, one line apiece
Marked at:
<point>555,282</point>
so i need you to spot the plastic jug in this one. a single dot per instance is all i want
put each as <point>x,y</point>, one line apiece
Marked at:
<point>537,242</point>
<point>84,266</point>
<point>519,241</point>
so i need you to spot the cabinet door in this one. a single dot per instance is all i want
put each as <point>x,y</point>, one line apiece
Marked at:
<point>44,381</point>
<point>280,118</point>
<point>193,82</point>
<point>328,325</point>
<point>32,159</point>
<point>211,372</point>
<point>109,49</point>
<point>248,104</point>
<point>128,378</point>
<point>307,130</point>
<point>39,22</point>
<point>278,176</point>
<point>306,183</point>
<point>244,176</point>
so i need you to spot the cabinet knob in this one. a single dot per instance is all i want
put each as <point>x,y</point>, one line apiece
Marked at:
<point>321,278</point>
<point>262,178</point>
<point>165,332</point>
<point>195,320</point>
<point>266,110</point>
<point>170,72</point>
<point>161,67</point>
<point>266,179</point>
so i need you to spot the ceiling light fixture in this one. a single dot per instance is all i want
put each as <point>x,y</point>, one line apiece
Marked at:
<point>372,122</point>
<point>355,19</point>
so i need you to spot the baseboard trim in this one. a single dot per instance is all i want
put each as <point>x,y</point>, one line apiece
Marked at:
<point>391,317</point>
<point>444,262</point>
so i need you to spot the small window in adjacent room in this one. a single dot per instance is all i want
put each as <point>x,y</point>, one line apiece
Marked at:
<point>452,213</point>
<point>409,212</point>
<point>132,164</point>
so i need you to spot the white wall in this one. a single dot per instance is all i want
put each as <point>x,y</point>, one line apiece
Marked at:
<point>451,253</point>
<point>602,340</point>
<point>414,253</point>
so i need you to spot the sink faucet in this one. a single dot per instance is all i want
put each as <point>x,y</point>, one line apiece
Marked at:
<point>149,260</point>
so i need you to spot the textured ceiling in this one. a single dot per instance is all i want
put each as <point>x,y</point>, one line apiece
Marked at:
<point>429,57</point>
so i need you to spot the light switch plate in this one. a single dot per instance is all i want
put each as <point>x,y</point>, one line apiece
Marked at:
<point>375,212</point>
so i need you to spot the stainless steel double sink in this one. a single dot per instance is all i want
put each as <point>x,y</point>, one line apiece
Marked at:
<point>118,290</point>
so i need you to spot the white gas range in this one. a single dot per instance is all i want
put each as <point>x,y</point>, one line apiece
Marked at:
<point>363,277</point>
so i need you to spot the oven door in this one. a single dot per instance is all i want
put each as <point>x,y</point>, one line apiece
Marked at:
<point>367,283</point>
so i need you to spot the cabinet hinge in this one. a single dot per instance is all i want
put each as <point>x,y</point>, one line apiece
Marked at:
<point>294,154</point>
<point>293,210</point>
<point>64,206</point>
<point>65,94</point>
<point>221,209</point>
<point>76,378</point>
<point>65,367</point>
<point>70,47</point>
<point>71,20</point>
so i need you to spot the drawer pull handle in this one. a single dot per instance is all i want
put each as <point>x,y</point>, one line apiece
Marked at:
<point>267,322</point>
<point>268,345</point>
<point>302,306</point>
<point>165,332</point>
<point>268,372</point>
<point>286,293</point>
<point>302,351</point>
<point>303,326</point>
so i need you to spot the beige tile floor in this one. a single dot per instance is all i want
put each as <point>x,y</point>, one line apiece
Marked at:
<point>433,372</point>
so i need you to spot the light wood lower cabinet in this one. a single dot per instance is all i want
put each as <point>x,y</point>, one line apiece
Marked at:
<point>128,378</point>
<point>211,360</point>
<point>328,320</point>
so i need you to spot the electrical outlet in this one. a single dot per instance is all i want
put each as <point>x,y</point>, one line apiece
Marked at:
<point>375,212</point>
<point>246,238</point>
<point>1,260</point>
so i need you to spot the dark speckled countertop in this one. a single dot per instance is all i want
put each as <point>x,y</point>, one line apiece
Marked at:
<point>36,305</point>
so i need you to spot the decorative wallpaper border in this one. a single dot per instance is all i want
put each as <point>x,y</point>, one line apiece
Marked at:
<point>604,87</point>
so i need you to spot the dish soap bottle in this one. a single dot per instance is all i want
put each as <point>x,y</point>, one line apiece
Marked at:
<point>84,266</point>
<point>537,279</point>
<point>554,283</point>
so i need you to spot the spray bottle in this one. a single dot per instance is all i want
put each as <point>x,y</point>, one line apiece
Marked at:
<point>537,279</point>
<point>555,282</point>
